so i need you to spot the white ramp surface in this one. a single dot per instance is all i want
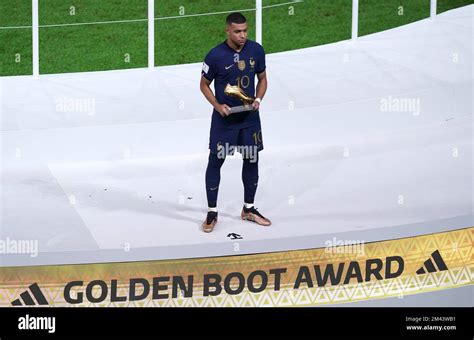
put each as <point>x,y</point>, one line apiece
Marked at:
<point>364,140</point>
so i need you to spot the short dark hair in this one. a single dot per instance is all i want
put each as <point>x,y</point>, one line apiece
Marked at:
<point>235,18</point>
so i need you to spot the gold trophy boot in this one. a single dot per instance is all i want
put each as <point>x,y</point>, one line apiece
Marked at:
<point>252,214</point>
<point>210,222</point>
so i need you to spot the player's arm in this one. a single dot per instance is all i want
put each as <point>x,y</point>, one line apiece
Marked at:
<point>223,109</point>
<point>261,88</point>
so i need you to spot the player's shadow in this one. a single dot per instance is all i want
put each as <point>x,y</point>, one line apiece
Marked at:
<point>118,199</point>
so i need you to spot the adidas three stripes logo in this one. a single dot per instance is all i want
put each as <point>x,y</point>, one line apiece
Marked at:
<point>429,265</point>
<point>28,300</point>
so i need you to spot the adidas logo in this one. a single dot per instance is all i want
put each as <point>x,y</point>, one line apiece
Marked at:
<point>28,300</point>
<point>429,265</point>
<point>234,236</point>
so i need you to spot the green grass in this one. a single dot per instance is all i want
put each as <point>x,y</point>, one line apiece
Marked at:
<point>181,40</point>
<point>188,39</point>
<point>64,49</point>
<point>75,11</point>
<point>92,47</point>
<point>307,24</point>
<point>15,44</point>
<point>446,5</point>
<point>376,15</point>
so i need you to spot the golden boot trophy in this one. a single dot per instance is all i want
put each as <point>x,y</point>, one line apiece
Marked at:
<point>237,92</point>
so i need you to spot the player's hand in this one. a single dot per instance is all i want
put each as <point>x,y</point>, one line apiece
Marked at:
<point>223,109</point>
<point>256,105</point>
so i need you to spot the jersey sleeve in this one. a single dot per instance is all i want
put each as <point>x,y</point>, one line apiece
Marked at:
<point>261,61</point>
<point>208,68</point>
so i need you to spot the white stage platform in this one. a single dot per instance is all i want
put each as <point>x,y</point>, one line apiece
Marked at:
<point>121,178</point>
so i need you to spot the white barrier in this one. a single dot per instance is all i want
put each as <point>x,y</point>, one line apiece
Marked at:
<point>355,19</point>
<point>433,8</point>
<point>35,37</point>
<point>151,34</point>
<point>258,21</point>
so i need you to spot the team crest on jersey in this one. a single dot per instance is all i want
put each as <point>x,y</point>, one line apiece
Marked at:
<point>252,63</point>
<point>242,65</point>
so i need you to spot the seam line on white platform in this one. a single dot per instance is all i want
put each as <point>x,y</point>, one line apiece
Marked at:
<point>159,18</point>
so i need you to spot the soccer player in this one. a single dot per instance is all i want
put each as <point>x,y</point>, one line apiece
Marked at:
<point>236,61</point>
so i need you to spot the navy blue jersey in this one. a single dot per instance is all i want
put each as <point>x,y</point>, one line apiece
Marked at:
<point>224,65</point>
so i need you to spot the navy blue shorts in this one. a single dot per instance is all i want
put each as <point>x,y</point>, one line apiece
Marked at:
<point>246,141</point>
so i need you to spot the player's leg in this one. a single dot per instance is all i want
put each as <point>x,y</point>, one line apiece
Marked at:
<point>250,179</point>
<point>213,179</point>
<point>250,143</point>
<point>219,141</point>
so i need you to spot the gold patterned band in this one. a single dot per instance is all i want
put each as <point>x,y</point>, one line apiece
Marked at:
<point>339,273</point>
